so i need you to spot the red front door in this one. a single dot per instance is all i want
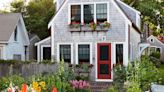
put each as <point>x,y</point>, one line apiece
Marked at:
<point>104,60</point>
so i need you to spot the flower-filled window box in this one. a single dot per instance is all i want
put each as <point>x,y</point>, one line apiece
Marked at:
<point>75,26</point>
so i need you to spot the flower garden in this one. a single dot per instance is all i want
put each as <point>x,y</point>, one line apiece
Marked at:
<point>136,77</point>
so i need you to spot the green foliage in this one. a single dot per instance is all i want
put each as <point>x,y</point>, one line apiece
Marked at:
<point>133,87</point>
<point>156,55</point>
<point>17,80</point>
<point>112,89</point>
<point>18,6</point>
<point>161,74</point>
<point>119,76</point>
<point>149,10</point>
<point>4,83</point>
<point>36,14</point>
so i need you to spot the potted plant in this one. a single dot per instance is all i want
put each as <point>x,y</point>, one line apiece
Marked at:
<point>75,26</point>
<point>93,26</point>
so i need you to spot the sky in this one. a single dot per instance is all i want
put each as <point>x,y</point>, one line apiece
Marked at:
<point>4,4</point>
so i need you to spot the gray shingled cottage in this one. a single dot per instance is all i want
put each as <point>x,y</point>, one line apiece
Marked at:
<point>98,32</point>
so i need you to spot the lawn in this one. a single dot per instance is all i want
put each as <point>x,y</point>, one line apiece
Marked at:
<point>161,71</point>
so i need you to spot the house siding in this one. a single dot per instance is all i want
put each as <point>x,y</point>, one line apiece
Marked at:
<point>157,43</point>
<point>15,47</point>
<point>117,33</point>
<point>135,39</point>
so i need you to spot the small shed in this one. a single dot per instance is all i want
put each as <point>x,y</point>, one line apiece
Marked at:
<point>44,49</point>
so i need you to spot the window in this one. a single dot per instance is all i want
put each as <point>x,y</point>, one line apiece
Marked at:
<point>119,53</point>
<point>104,52</point>
<point>84,53</point>
<point>101,12</point>
<point>88,13</point>
<point>158,50</point>
<point>15,34</point>
<point>17,57</point>
<point>76,13</point>
<point>151,40</point>
<point>65,53</point>
<point>46,53</point>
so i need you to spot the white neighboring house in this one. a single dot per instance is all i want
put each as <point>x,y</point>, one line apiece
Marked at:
<point>14,39</point>
<point>156,45</point>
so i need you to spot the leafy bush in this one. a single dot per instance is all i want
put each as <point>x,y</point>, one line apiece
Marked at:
<point>156,54</point>
<point>4,83</point>
<point>112,89</point>
<point>119,76</point>
<point>133,87</point>
<point>17,80</point>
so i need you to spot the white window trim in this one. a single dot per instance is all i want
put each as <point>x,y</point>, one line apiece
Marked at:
<point>152,40</point>
<point>42,46</point>
<point>82,10</point>
<point>84,43</point>
<point>58,51</point>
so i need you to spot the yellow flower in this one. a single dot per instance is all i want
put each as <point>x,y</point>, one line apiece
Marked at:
<point>35,85</point>
<point>42,84</point>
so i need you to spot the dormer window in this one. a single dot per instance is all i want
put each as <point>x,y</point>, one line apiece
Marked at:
<point>101,12</point>
<point>88,13</point>
<point>76,13</point>
<point>15,34</point>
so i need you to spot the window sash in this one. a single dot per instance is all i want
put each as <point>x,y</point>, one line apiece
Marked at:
<point>88,13</point>
<point>84,53</point>
<point>65,53</point>
<point>75,13</point>
<point>101,12</point>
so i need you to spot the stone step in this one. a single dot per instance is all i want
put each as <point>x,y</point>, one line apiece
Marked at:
<point>100,86</point>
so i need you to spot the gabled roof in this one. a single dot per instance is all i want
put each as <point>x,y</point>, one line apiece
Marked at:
<point>8,23</point>
<point>133,24</point>
<point>159,40</point>
<point>121,6</point>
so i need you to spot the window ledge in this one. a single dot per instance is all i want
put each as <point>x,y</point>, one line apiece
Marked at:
<point>87,29</point>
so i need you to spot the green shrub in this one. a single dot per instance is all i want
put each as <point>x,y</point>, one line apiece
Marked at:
<point>4,83</point>
<point>17,80</point>
<point>119,76</point>
<point>112,89</point>
<point>156,54</point>
<point>133,87</point>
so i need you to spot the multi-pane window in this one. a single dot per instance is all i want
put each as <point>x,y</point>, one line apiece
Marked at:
<point>101,12</point>
<point>88,13</point>
<point>65,53</point>
<point>84,53</point>
<point>158,50</point>
<point>119,53</point>
<point>76,13</point>
<point>47,53</point>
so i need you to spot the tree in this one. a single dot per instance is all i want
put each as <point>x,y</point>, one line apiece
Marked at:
<point>152,13</point>
<point>18,6</point>
<point>37,15</point>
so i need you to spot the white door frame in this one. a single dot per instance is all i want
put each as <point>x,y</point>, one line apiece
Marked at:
<point>42,47</point>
